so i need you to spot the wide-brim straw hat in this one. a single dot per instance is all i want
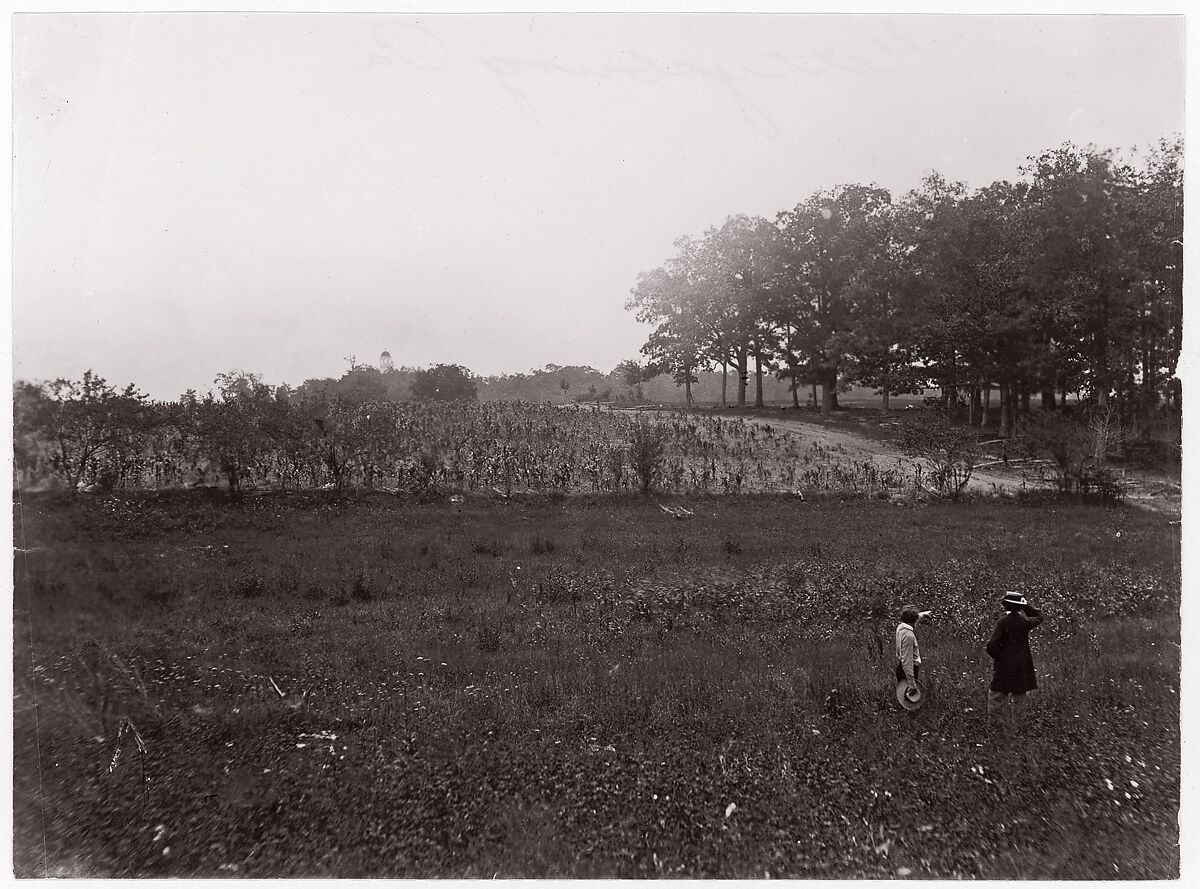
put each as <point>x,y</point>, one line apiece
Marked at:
<point>1013,598</point>
<point>910,699</point>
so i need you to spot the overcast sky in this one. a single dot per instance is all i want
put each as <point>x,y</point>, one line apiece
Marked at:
<point>196,193</point>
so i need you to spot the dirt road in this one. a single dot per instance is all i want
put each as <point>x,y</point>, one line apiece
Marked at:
<point>883,453</point>
<point>1149,490</point>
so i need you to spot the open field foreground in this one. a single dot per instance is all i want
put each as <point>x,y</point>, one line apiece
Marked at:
<point>317,684</point>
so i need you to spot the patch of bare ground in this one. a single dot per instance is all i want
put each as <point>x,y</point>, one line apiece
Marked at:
<point>1146,489</point>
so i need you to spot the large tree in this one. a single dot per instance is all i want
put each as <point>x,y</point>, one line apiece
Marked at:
<point>1087,236</point>
<point>827,240</point>
<point>978,323</point>
<point>92,429</point>
<point>883,297</point>
<point>231,425</point>
<point>742,259</point>
<point>671,299</point>
<point>1157,280</point>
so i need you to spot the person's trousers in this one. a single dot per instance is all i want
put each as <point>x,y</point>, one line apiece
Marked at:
<point>900,677</point>
<point>1008,702</point>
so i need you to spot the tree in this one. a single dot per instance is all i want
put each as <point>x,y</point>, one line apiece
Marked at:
<point>883,297</point>
<point>232,429</point>
<point>1160,262</point>
<point>91,429</point>
<point>826,240</point>
<point>362,384</point>
<point>977,320</point>
<point>316,389</point>
<point>444,382</point>
<point>633,373</point>
<point>239,384</point>
<point>1152,205</point>
<point>1088,233</point>
<point>741,260</point>
<point>539,385</point>
<point>668,298</point>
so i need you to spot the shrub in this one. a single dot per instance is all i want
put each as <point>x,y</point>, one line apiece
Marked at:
<point>1149,453</point>
<point>951,450</point>
<point>647,443</point>
<point>1065,441</point>
<point>1101,482</point>
<point>1071,445</point>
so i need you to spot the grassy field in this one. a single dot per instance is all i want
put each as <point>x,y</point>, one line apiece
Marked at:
<point>308,684</point>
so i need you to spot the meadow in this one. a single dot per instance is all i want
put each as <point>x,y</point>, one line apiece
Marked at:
<point>318,683</point>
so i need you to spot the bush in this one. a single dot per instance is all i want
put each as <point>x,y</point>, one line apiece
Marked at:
<point>647,444</point>
<point>952,451</point>
<point>1066,442</point>
<point>1150,453</point>
<point>1101,482</point>
<point>1070,444</point>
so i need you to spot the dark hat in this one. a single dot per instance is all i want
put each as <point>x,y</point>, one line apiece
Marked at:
<point>1014,599</point>
<point>909,698</point>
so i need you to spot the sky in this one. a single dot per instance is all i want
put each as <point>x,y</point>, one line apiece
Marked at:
<point>194,194</point>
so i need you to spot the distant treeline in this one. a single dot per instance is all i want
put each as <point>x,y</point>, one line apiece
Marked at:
<point>553,383</point>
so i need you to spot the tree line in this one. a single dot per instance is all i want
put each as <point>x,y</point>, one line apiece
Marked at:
<point>1064,284</point>
<point>88,435</point>
<point>88,432</point>
<point>553,382</point>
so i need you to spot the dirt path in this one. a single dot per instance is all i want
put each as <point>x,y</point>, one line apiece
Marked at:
<point>1148,490</point>
<point>881,453</point>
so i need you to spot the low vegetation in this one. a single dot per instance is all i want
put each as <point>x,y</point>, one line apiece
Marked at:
<point>311,684</point>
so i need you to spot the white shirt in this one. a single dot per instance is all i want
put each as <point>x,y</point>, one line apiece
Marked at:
<point>907,651</point>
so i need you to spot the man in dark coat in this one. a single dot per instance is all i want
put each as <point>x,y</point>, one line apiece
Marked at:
<point>1012,661</point>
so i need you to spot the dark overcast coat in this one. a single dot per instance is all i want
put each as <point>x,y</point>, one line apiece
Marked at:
<point>1009,650</point>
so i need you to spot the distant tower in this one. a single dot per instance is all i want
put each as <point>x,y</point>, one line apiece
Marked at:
<point>385,362</point>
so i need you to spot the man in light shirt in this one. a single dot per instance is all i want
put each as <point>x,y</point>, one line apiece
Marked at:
<point>908,653</point>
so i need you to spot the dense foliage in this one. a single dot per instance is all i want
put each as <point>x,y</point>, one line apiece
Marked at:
<point>444,382</point>
<point>247,436</point>
<point>1065,282</point>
